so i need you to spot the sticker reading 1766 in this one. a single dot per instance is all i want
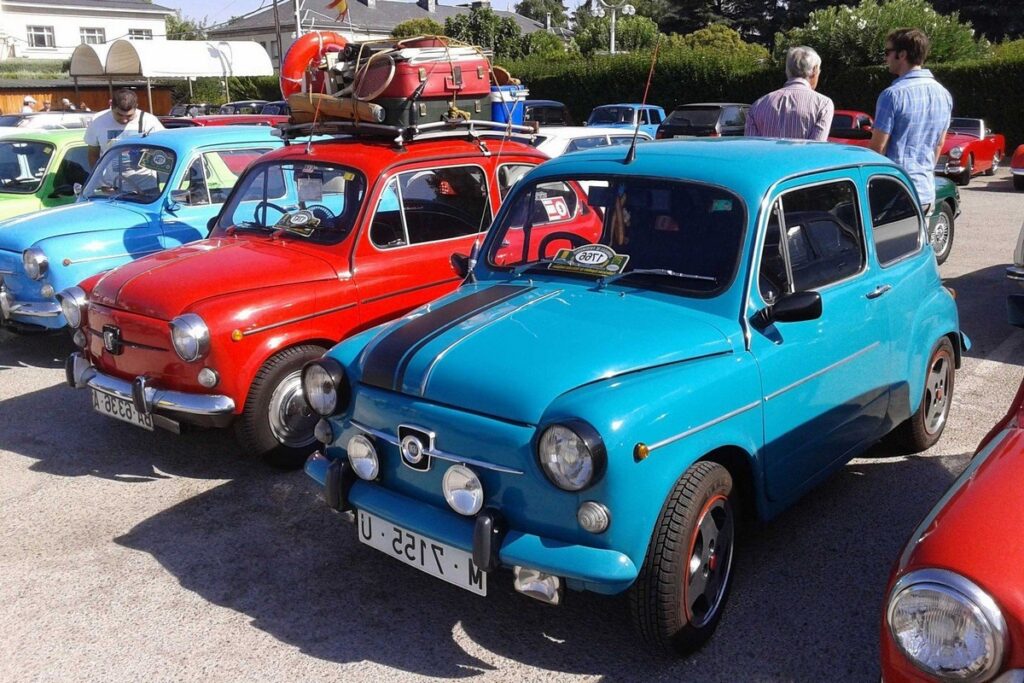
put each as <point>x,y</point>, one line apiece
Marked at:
<point>592,259</point>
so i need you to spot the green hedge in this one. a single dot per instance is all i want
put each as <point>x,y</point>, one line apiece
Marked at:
<point>986,89</point>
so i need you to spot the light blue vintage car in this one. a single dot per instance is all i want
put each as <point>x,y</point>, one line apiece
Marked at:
<point>633,369</point>
<point>146,194</point>
<point>627,116</point>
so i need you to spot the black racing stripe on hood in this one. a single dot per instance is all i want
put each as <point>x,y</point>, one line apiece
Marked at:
<point>386,362</point>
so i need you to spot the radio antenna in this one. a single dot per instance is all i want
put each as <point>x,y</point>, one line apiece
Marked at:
<point>631,154</point>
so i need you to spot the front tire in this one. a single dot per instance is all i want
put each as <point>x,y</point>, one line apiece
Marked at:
<point>276,423</point>
<point>941,232</point>
<point>678,598</point>
<point>923,429</point>
<point>964,179</point>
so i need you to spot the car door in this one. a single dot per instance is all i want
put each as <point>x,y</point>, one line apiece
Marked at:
<point>823,393</point>
<point>200,192</point>
<point>422,214</point>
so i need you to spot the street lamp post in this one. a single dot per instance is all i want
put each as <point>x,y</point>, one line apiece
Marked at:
<point>615,7</point>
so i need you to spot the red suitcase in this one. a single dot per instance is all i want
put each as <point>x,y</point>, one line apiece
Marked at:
<point>430,73</point>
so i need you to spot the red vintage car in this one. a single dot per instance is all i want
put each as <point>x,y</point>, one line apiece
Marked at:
<point>970,148</point>
<point>1017,168</point>
<point>955,607</point>
<point>851,127</point>
<point>222,120</point>
<point>316,242</point>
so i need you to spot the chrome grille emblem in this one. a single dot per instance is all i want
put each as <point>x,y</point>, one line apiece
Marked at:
<point>412,450</point>
<point>415,445</point>
<point>112,340</point>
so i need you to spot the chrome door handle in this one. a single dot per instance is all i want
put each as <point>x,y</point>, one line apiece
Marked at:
<point>879,291</point>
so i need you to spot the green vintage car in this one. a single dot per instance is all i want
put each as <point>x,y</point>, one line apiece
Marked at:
<point>942,218</point>
<point>39,169</point>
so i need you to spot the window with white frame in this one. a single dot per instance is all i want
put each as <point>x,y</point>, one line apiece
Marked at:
<point>40,36</point>
<point>92,36</point>
<point>140,34</point>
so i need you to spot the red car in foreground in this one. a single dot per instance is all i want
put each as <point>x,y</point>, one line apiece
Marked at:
<point>315,243</point>
<point>955,607</point>
<point>970,148</point>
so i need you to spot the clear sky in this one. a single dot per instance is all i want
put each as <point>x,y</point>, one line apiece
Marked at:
<point>218,12</point>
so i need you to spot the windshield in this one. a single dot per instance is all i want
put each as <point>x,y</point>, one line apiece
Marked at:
<point>313,201</point>
<point>695,116</point>
<point>11,120</point>
<point>969,126</point>
<point>842,122</point>
<point>23,165</point>
<point>134,173</point>
<point>644,232</point>
<point>611,115</point>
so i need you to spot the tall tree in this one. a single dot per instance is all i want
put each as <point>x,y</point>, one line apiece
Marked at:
<point>482,26</point>
<point>179,28</point>
<point>538,10</point>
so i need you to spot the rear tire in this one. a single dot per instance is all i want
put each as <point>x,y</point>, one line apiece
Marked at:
<point>923,429</point>
<point>276,423</point>
<point>1018,182</point>
<point>941,232</point>
<point>681,591</point>
<point>996,158</point>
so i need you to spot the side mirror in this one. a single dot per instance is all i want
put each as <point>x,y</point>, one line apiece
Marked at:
<point>64,191</point>
<point>793,308</point>
<point>460,264</point>
<point>77,189</point>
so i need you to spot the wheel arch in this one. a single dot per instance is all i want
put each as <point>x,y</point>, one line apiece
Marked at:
<point>740,465</point>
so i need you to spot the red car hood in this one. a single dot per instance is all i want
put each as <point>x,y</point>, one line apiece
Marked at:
<point>979,532</point>
<point>955,140</point>
<point>165,284</point>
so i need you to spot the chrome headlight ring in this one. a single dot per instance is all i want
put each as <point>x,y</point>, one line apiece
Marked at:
<point>72,303</point>
<point>956,152</point>
<point>929,607</point>
<point>571,454</point>
<point>35,263</point>
<point>190,337</point>
<point>325,386</point>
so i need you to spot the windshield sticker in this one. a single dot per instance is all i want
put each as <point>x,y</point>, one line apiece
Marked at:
<point>556,208</point>
<point>721,205</point>
<point>301,223</point>
<point>592,259</point>
<point>348,176</point>
<point>311,189</point>
<point>155,160</point>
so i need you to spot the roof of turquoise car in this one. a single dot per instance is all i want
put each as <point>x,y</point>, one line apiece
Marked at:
<point>55,136</point>
<point>745,165</point>
<point>186,139</point>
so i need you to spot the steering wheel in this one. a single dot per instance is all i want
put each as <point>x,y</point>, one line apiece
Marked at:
<point>573,239</point>
<point>321,212</point>
<point>265,203</point>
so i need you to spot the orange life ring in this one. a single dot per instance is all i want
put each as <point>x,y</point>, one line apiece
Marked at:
<point>304,53</point>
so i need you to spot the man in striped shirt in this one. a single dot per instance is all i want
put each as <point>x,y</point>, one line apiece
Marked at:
<point>794,111</point>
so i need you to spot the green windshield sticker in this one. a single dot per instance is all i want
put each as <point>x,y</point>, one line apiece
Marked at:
<point>301,223</point>
<point>156,160</point>
<point>591,259</point>
<point>721,205</point>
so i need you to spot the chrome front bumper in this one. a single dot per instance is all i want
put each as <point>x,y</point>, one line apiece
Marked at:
<point>32,309</point>
<point>148,400</point>
<point>949,169</point>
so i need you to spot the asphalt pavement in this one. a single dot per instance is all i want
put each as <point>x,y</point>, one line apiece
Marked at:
<point>128,555</point>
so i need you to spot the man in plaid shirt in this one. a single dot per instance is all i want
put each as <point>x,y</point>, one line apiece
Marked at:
<point>912,114</point>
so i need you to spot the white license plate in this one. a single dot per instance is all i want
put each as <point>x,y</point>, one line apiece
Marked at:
<point>437,559</point>
<point>120,409</point>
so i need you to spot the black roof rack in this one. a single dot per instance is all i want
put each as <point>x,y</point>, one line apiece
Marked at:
<point>472,130</point>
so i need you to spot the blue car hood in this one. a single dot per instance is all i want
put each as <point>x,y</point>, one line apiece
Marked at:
<point>509,350</point>
<point>22,232</point>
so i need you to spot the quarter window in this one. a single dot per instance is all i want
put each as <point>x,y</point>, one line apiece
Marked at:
<point>509,175</point>
<point>40,36</point>
<point>895,220</point>
<point>430,205</point>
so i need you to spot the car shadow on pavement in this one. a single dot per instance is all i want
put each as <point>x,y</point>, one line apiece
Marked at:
<point>268,547</point>
<point>981,297</point>
<point>58,428</point>
<point>34,350</point>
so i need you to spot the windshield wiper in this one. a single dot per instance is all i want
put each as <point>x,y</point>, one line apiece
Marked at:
<point>608,279</point>
<point>519,270</point>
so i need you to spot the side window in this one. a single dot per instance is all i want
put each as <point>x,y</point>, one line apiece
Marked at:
<point>645,116</point>
<point>192,189</point>
<point>824,239</point>
<point>388,227</point>
<point>509,175</point>
<point>773,278</point>
<point>74,168</point>
<point>587,143</point>
<point>733,116</point>
<point>896,224</point>
<point>655,115</point>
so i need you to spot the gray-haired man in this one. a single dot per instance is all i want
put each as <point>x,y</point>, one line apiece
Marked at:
<point>795,110</point>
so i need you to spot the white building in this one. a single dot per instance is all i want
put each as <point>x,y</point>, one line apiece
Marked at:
<point>51,29</point>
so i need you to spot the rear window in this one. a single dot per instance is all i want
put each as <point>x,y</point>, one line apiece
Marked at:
<point>695,116</point>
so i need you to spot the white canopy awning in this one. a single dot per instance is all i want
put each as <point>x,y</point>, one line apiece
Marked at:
<point>187,58</point>
<point>89,60</point>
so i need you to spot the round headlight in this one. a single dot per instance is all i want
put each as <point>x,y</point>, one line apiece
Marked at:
<point>190,337</point>
<point>956,153</point>
<point>463,490</point>
<point>35,263</point>
<point>946,626</point>
<point>363,457</point>
<point>325,387</point>
<point>571,454</point>
<point>72,301</point>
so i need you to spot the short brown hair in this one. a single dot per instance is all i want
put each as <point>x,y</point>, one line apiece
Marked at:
<point>913,41</point>
<point>125,100</point>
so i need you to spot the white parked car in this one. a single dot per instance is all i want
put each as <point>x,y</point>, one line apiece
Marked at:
<point>564,139</point>
<point>43,120</point>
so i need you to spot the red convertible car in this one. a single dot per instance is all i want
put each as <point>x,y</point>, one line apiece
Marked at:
<point>851,127</point>
<point>955,607</point>
<point>316,242</point>
<point>970,148</point>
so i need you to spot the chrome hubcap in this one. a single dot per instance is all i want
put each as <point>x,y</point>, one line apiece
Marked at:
<point>940,234</point>
<point>709,563</point>
<point>936,394</point>
<point>995,162</point>
<point>291,419</point>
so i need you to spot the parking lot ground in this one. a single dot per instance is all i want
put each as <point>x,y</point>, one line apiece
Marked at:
<point>128,555</point>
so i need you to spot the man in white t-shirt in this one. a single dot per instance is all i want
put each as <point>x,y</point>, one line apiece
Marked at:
<point>124,119</point>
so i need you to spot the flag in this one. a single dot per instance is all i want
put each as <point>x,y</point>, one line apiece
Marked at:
<point>341,6</point>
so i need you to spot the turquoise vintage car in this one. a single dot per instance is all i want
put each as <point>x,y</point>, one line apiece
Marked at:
<point>40,168</point>
<point>146,194</point>
<point>645,354</point>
